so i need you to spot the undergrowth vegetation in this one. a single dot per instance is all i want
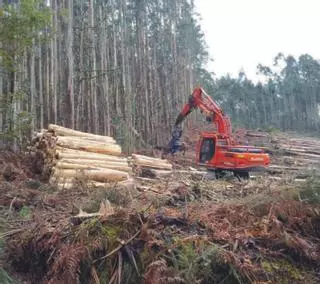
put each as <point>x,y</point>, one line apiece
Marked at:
<point>5,278</point>
<point>310,191</point>
<point>212,243</point>
<point>195,231</point>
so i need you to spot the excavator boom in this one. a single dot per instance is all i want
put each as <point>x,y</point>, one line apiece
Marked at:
<point>200,99</point>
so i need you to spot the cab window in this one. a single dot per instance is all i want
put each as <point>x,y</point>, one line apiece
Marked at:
<point>207,150</point>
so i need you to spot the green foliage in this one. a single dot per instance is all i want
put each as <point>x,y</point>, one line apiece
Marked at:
<point>20,25</point>
<point>282,271</point>
<point>272,130</point>
<point>116,195</point>
<point>122,132</point>
<point>203,263</point>
<point>287,99</point>
<point>21,121</point>
<point>311,190</point>
<point>25,212</point>
<point>34,184</point>
<point>5,278</point>
<point>2,245</point>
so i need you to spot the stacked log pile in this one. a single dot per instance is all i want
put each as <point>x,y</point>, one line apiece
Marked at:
<point>292,154</point>
<point>68,155</point>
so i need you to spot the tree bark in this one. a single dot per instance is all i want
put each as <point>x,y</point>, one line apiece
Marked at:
<point>41,115</point>
<point>70,92</point>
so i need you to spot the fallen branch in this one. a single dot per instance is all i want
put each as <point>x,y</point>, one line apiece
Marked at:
<point>122,244</point>
<point>10,233</point>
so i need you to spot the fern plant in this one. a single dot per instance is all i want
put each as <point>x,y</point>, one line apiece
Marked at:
<point>5,278</point>
<point>203,264</point>
<point>311,190</point>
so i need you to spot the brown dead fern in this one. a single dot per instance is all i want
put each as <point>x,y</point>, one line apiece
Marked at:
<point>66,266</point>
<point>159,273</point>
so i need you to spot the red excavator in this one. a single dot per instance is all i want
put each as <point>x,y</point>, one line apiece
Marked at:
<point>218,151</point>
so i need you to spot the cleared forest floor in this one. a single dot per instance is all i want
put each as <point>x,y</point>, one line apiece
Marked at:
<point>181,228</point>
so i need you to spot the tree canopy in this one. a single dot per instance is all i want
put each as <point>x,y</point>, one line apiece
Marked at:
<point>288,99</point>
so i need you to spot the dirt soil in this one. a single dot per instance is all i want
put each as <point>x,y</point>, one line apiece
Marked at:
<point>185,228</point>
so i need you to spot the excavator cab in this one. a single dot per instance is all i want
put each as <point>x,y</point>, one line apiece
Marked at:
<point>208,147</point>
<point>207,150</point>
<point>216,153</point>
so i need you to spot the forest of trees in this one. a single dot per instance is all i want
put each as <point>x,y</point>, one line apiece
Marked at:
<point>125,67</point>
<point>289,98</point>
<point>113,67</point>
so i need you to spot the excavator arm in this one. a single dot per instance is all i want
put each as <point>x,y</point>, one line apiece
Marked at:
<point>200,99</point>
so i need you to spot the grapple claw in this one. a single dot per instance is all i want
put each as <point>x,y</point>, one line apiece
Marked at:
<point>175,143</point>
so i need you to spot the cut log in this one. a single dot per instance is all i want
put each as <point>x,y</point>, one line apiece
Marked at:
<point>300,154</point>
<point>65,153</point>
<point>94,162</point>
<point>64,165</point>
<point>70,139</point>
<point>152,165</point>
<point>152,173</point>
<point>280,178</point>
<point>148,162</point>
<point>300,147</point>
<point>63,131</point>
<point>142,157</point>
<point>91,185</point>
<point>298,161</point>
<point>101,140</point>
<point>289,149</point>
<point>279,167</point>
<point>71,183</point>
<point>94,157</point>
<point>256,134</point>
<point>90,146</point>
<point>303,142</point>
<point>101,175</point>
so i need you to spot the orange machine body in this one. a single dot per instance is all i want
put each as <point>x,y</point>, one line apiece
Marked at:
<point>219,150</point>
<point>215,152</point>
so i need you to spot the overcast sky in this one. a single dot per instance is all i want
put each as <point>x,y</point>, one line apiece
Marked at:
<point>243,33</point>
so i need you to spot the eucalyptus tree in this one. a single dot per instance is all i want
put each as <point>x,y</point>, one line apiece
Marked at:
<point>23,27</point>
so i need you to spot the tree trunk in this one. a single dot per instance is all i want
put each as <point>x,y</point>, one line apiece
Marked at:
<point>70,93</point>
<point>54,64</point>
<point>93,89</point>
<point>40,86</point>
<point>32,89</point>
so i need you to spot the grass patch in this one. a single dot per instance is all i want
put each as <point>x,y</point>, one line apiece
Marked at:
<point>5,278</point>
<point>282,271</point>
<point>116,195</point>
<point>25,212</point>
<point>33,184</point>
<point>203,262</point>
<point>310,191</point>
